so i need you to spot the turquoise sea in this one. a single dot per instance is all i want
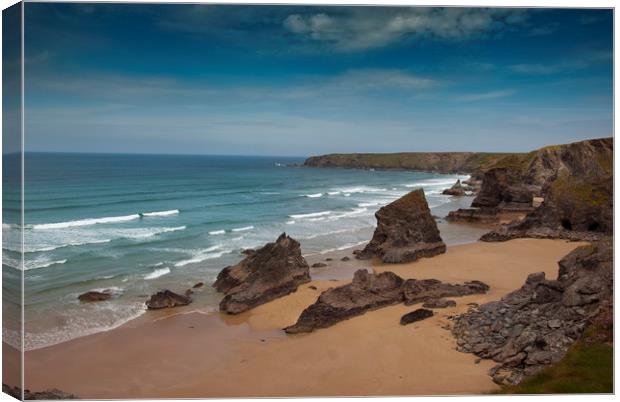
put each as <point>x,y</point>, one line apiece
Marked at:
<point>138,223</point>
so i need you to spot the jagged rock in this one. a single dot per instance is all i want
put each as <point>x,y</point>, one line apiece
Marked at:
<point>248,251</point>
<point>503,188</point>
<point>272,271</point>
<point>417,291</point>
<point>416,315</point>
<point>439,303</point>
<point>456,190</point>
<point>575,209</point>
<point>49,394</point>
<point>94,296</point>
<point>366,292</point>
<point>198,285</point>
<point>405,231</point>
<point>371,291</point>
<point>536,324</point>
<point>319,265</point>
<point>167,299</point>
<point>474,215</point>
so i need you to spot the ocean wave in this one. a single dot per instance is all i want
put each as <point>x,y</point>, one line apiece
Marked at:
<point>217,232</point>
<point>361,189</point>
<point>343,247</point>
<point>203,255</point>
<point>162,213</point>
<point>157,273</point>
<point>310,215</point>
<point>367,204</point>
<point>243,229</point>
<point>30,264</point>
<point>317,195</point>
<point>290,222</point>
<point>333,192</point>
<point>156,232</point>
<point>98,221</point>
<point>339,231</point>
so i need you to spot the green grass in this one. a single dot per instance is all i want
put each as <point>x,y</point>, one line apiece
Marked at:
<point>586,368</point>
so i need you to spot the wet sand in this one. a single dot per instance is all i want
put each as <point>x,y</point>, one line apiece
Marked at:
<point>191,353</point>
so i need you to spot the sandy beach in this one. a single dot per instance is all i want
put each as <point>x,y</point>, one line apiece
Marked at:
<point>187,352</point>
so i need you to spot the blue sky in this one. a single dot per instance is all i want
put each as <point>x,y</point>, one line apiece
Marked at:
<point>293,80</point>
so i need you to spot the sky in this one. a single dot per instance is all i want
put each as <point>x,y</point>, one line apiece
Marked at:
<point>307,80</point>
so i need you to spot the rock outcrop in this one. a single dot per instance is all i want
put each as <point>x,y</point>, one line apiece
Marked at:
<point>94,296</point>
<point>474,215</point>
<point>536,324</point>
<point>503,188</point>
<point>575,209</point>
<point>372,291</point>
<point>439,303</point>
<point>456,190</point>
<point>405,231</point>
<point>272,271</point>
<point>167,299</point>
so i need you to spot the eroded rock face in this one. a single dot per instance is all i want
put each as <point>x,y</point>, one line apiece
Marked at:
<point>405,231</point>
<point>575,209</point>
<point>167,299</point>
<point>366,292</point>
<point>503,188</point>
<point>372,291</point>
<point>536,324</point>
<point>272,271</point>
<point>94,296</point>
<point>439,303</point>
<point>456,190</point>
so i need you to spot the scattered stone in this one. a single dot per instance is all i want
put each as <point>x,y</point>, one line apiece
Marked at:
<point>312,287</point>
<point>329,259</point>
<point>345,258</point>
<point>49,394</point>
<point>417,291</point>
<point>474,215</point>
<point>272,271</point>
<point>439,303</point>
<point>356,252</point>
<point>94,296</point>
<point>189,292</point>
<point>319,265</point>
<point>248,252</point>
<point>198,285</point>
<point>167,299</point>
<point>405,231</point>
<point>535,325</point>
<point>416,315</point>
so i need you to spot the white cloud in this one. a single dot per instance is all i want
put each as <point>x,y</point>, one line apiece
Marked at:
<point>359,30</point>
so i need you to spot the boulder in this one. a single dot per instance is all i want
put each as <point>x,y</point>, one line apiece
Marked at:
<point>94,296</point>
<point>536,325</point>
<point>456,190</point>
<point>366,292</point>
<point>416,315</point>
<point>167,299</point>
<point>198,285</point>
<point>272,271</point>
<point>345,258</point>
<point>504,188</point>
<point>405,231</point>
<point>319,265</point>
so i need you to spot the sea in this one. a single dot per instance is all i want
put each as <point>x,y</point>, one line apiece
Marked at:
<point>136,224</point>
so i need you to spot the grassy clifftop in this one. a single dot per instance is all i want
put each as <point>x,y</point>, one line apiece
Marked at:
<point>443,162</point>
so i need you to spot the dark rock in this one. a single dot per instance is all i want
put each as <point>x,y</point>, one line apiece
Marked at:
<point>536,324</point>
<point>189,292</point>
<point>248,252</point>
<point>319,265</point>
<point>439,303</point>
<point>198,285</point>
<point>345,258</point>
<point>405,231</point>
<point>417,291</point>
<point>329,259</point>
<point>312,287</point>
<point>94,296</point>
<point>366,292</point>
<point>357,252</point>
<point>273,271</point>
<point>474,215</point>
<point>49,394</point>
<point>167,299</point>
<point>503,188</point>
<point>416,315</point>
<point>372,291</point>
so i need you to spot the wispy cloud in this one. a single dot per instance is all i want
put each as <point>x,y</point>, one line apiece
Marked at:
<point>485,95</point>
<point>354,30</point>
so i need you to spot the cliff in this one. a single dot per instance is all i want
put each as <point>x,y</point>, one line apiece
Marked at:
<point>441,162</point>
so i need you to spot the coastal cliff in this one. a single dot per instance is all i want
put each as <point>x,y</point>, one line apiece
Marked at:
<point>441,162</point>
